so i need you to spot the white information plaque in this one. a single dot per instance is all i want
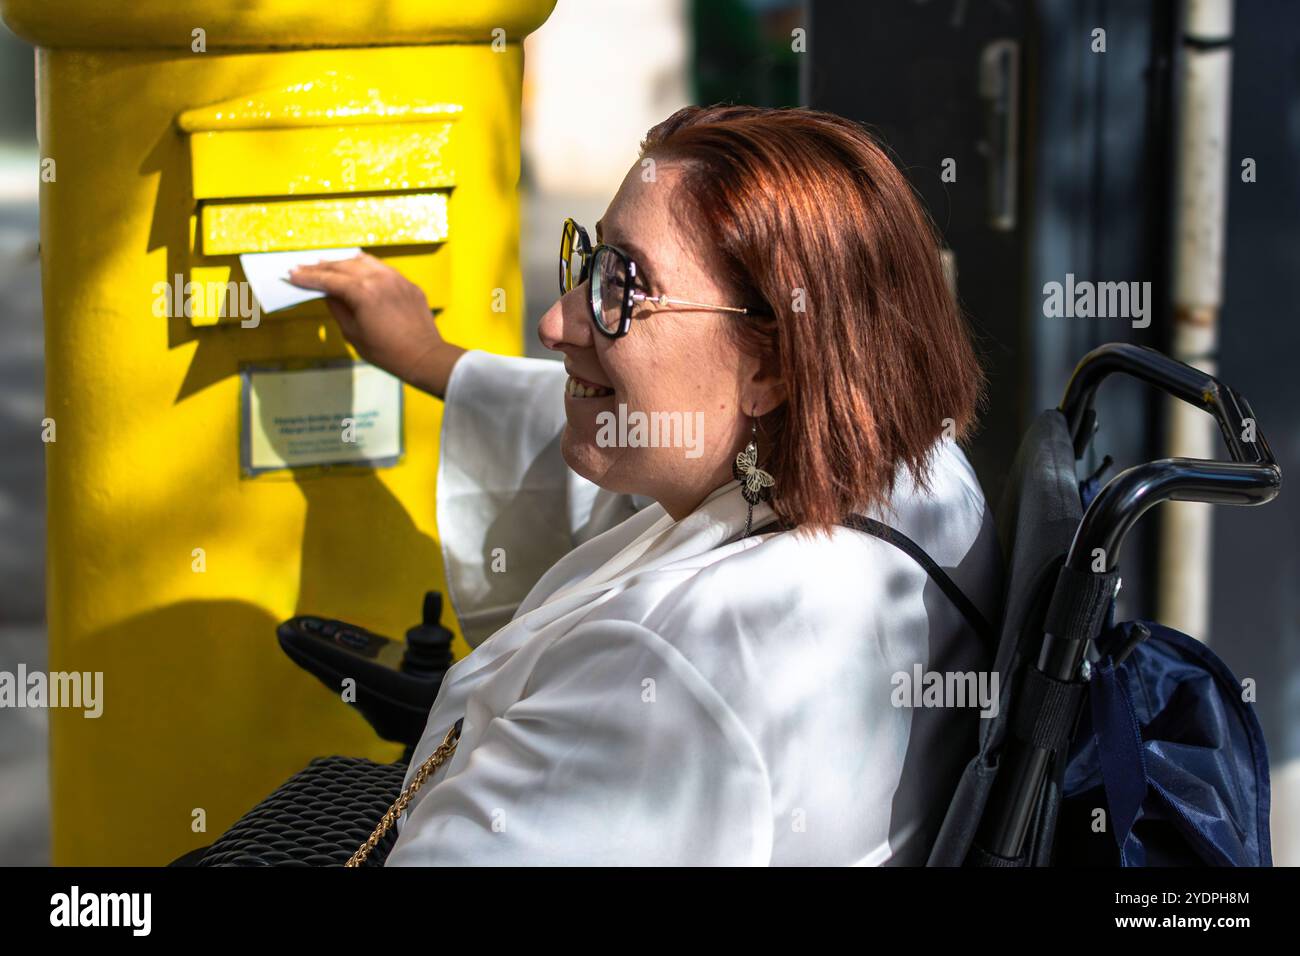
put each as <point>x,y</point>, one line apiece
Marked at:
<point>337,413</point>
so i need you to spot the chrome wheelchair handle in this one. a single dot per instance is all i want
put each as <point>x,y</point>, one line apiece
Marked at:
<point>1175,378</point>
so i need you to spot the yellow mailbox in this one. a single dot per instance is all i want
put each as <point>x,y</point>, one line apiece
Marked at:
<point>176,137</point>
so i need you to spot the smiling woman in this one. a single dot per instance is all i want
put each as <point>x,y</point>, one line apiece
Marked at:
<point>651,682</point>
<point>806,219</point>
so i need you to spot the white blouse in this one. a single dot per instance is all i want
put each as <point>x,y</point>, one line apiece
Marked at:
<point>649,691</point>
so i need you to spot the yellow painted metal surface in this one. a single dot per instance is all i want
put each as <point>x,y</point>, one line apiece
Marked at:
<point>203,714</point>
<point>227,24</point>
<point>330,135</point>
<point>274,225</point>
<point>328,159</point>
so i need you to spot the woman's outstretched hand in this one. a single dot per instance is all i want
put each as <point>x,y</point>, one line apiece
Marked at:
<point>386,318</point>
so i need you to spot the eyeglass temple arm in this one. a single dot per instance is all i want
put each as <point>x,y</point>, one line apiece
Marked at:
<point>665,300</point>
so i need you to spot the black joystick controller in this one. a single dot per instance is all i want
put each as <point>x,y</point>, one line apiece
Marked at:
<point>395,684</point>
<point>428,644</point>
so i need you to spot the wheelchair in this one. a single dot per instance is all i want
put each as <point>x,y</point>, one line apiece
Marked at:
<point>1130,723</point>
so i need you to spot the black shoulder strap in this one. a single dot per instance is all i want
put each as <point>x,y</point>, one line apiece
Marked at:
<point>937,574</point>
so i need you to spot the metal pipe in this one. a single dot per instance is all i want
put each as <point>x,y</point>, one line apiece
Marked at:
<point>1200,220</point>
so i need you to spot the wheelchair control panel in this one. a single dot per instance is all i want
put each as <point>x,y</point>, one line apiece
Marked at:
<point>396,682</point>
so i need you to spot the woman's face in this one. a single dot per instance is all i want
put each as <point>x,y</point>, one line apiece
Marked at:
<point>671,398</point>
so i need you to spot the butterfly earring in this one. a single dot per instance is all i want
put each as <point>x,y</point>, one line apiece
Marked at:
<point>755,483</point>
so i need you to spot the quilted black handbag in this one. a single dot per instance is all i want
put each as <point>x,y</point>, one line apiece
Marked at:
<point>318,817</point>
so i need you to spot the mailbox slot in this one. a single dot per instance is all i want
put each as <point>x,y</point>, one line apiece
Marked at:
<point>230,228</point>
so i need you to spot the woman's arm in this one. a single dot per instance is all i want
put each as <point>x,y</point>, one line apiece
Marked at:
<point>503,487</point>
<point>386,318</point>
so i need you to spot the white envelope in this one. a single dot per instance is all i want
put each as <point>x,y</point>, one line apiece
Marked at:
<point>267,273</point>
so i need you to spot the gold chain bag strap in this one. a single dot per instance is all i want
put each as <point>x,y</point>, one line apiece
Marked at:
<point>431,763</point>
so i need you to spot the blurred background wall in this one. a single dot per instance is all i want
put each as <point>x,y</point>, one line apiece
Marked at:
<point>604,73</point>
<point>23,787</point>
<point>1091,177</point>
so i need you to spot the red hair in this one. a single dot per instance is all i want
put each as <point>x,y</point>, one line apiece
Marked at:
<point>816,230</point>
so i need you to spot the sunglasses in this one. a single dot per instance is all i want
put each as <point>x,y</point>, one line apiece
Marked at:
<point>612,274</point>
